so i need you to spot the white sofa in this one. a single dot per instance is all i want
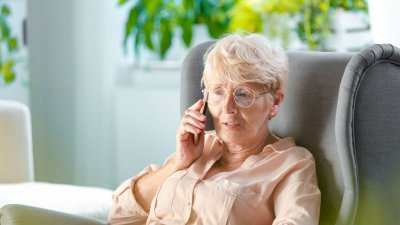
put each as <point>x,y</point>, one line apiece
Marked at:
<point>17,184</point>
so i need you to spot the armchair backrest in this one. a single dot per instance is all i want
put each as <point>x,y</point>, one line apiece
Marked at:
<point>307,114</point>
<point>16,162</point>
<point>368,128</point>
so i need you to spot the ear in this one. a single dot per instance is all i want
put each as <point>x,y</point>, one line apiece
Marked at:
<point>278,98</point>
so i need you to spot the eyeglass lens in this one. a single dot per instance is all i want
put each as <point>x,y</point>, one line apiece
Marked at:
<point>244,97</point>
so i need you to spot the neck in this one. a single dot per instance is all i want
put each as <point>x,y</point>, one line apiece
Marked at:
<point>233,155</point>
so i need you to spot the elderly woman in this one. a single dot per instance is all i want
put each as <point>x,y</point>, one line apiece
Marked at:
<point>240,173</point>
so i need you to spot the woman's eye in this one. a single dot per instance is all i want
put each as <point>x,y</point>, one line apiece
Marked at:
<point>243,94</point>
<point>219,91</point>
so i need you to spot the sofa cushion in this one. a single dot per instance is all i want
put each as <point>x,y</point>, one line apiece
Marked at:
<point>83,201</point>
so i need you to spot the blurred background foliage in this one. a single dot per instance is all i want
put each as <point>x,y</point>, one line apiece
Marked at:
<point>311,19</point>
<point>8,46</point>
<point>155,23</point>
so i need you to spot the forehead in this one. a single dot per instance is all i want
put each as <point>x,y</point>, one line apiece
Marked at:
<point>234,85</point>
<point>231,78</point>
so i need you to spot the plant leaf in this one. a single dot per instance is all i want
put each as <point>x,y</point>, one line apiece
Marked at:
<point>152,5</point>
<point>7,71</point>
<point>5,30</point>
<point>166,37</point>
<point>131,22</point>
<point>188,4</point>
<point>12,44</point>
<point>5,10</point>
<point>137,43</point>
<point>121,2</point>
<point>148,30</point>
<point>187,33</point>
<point>187,27</point>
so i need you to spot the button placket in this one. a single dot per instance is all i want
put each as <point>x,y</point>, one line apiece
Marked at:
<point>189,199</point>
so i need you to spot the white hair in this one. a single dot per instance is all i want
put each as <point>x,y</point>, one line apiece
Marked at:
<point>247,59</point>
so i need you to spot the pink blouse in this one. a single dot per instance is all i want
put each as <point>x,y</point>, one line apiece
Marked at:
<point>278,186</point>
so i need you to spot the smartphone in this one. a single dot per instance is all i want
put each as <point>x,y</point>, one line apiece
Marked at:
<point>203,110</point>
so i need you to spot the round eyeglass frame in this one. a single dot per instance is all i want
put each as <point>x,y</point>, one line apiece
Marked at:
<point>206,93</point>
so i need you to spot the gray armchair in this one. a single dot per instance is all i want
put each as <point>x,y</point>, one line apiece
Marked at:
<point>325,114</point>
<point>307,114</point>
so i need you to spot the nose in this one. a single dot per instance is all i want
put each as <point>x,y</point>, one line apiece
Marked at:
<point>229,105</point>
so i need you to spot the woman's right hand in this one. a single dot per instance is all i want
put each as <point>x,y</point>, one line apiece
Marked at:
<point>192,123</point>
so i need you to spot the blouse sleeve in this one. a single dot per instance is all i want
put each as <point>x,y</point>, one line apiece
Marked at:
<point>297,200</point>
<point>125,209</point>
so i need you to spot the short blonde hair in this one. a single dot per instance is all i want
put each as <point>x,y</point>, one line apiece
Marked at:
<point>247,59</point>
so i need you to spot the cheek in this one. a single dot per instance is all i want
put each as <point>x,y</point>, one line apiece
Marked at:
<point>256,121</point>
<point>214,116</point>
<point>257,117</point>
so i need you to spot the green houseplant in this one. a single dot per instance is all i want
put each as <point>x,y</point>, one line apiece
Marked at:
<point>8,45</point>
<point>312,17</point>
<point>154,23</point>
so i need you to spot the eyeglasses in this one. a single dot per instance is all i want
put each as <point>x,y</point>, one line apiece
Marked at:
<point>243,96</point>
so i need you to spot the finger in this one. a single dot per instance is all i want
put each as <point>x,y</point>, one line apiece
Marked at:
<point>195,114</point>
<point>198,139</point>
<point>194,122</point>
<point>188,128</point>
<point>197,106</point>
<point>183,136</point>
<point>187,131</point>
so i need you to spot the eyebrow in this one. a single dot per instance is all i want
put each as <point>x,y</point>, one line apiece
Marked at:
<point>254,86</point>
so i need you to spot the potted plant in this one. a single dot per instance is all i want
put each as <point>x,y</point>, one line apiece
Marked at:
<point>8,45</point>
<point>155,23</point>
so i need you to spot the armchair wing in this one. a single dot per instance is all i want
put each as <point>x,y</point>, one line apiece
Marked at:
<point>368,131</point>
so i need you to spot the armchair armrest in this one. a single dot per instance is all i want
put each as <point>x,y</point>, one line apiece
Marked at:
<point>14,214</point>
<point>16,161</point>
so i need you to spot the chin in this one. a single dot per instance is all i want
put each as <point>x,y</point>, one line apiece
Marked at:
<point>231,137</point>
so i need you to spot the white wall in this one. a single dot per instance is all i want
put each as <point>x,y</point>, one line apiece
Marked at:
<point>53,92</point>
<point>385,18</point>
<point>98,26</point>
<point>74,46</point>
<point>89,129</point>
<point>147,116</point>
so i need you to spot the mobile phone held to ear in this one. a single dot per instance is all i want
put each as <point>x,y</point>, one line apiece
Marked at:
<point>203,110</point>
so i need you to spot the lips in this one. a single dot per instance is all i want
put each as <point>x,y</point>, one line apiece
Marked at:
<point>230,124</point>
